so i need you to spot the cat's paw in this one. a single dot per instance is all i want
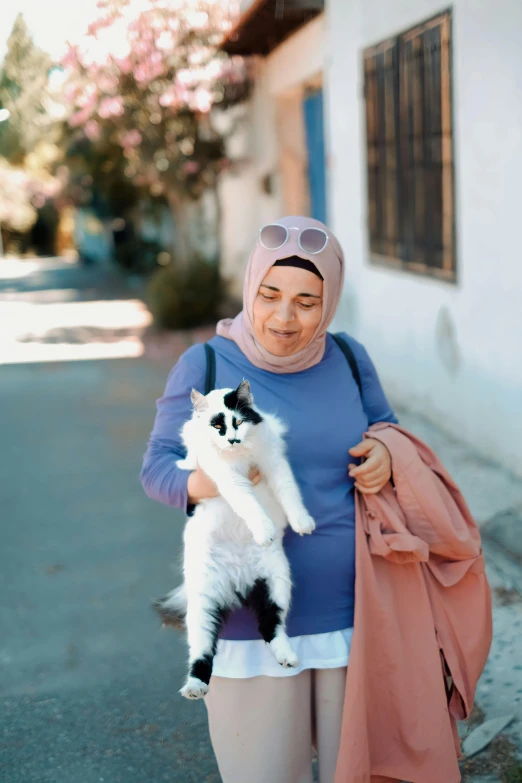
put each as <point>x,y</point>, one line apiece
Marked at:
<point>302,524</point>
<point>264,534</point>
<point>194,689</point>
<point>283,653</point>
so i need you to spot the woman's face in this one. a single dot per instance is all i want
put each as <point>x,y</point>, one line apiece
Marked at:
<point>287,309</point>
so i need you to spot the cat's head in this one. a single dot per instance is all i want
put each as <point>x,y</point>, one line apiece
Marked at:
<point>228,414</point>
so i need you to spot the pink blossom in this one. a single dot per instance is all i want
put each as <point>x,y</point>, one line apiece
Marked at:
<point>92,130</point>
<point>197,56</point>
<point>196,20</point>
<point>124,64</point>
<point>70,92</point>
<point>169,97</point>
<point>165,41</point>
<point>71,59</point>
<point>190,167</point>
<point>87,99</point>
<point>201,100</point>
<point>111,107</point>
<point>214,69</point>
<point>131,138</point>
<point>80,117</point>
<point>107,82</point>
<point>99,24</point>
<point>38,201</point>
<point>186,77</point>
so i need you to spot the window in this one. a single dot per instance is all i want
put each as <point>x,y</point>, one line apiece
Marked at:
<point>410,150</point>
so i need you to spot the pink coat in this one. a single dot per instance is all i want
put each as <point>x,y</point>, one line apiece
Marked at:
<point>422,629</point>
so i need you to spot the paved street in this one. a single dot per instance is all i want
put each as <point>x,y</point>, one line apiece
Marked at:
<point>88,681</point>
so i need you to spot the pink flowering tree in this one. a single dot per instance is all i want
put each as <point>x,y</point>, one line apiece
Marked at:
<point>144,80</point>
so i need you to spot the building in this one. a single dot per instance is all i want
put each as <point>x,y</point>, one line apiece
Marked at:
<point>400,121</point>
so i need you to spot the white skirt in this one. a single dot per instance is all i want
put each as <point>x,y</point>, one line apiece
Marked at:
<point>252,658</point>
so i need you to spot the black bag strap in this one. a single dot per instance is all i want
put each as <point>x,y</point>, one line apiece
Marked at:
<point>210,377</point>
<point>350,358</point>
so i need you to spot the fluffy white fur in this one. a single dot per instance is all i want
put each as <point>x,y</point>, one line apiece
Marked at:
<point>233,543</point>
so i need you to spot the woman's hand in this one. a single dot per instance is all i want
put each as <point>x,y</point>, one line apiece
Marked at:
<point>375,471</point>
<point>201,487</point>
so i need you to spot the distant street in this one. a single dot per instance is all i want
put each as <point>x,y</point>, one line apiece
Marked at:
<point>88,681</point>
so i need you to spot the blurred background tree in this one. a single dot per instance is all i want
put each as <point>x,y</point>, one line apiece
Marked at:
<point>141,85</point>
<point>29,155</point>
<point>24,79</point>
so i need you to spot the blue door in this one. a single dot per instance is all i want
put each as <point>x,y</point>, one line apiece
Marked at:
<point>313,116</point>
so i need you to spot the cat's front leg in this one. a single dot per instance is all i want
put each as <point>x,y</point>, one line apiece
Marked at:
<point>284,486</point>
<point>238,492</point>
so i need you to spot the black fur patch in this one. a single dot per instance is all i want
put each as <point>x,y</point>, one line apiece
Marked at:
<point>202,668</point>
<point>234,403</point>
<point>219,421</point>
<point>267,612</point>
<point>218,615</point>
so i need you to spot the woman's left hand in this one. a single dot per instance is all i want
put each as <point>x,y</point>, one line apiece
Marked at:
<point>375,471</point>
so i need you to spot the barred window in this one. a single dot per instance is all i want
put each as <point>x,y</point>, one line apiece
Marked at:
<point>407,86</point>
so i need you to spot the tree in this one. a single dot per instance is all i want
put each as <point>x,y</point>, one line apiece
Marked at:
<point>27,190</point>
<point>23,90</point>
<point>144,79</point>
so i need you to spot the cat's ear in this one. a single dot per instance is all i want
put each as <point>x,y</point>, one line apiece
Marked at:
<point>199,401</point>
<point>243,393</point>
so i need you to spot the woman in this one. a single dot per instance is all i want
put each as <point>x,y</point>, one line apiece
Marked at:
<point>263,718</point>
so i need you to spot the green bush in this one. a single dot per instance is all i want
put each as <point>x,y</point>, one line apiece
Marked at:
<point>185,298</point>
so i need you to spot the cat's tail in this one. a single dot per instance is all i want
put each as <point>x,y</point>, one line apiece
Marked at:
<point>172,608</point>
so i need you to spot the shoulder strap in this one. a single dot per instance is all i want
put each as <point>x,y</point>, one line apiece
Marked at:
<point>350,358</point>
<point>210,377</point>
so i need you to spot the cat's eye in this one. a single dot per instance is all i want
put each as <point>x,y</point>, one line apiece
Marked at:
<point>239,421</point>
<point>217,426</point>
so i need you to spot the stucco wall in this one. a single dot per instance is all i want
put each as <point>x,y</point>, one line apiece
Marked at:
<point>269,126</point>
<point>452,352</point>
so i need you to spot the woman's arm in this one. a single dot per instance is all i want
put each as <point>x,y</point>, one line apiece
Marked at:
<point>161,478</point>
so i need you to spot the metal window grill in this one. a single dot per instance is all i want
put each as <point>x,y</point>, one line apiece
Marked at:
<point>407,84</point>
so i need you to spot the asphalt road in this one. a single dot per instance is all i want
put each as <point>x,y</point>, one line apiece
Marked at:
<point>88,681</point>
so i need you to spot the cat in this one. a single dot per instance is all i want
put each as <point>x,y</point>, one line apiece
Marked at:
<point>233,551</point>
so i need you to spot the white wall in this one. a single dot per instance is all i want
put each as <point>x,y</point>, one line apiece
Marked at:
<point>450,351</point>
<point>245,206</point>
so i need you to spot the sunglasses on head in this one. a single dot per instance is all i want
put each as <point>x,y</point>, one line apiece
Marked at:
<point>310,240</point>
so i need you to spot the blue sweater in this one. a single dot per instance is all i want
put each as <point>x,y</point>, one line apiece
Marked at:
<point>325,416</point>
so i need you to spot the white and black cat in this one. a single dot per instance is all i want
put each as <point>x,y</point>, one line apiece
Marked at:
<point>233,551</point>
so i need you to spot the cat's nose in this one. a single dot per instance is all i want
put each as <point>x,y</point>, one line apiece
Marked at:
<point>233,440</point>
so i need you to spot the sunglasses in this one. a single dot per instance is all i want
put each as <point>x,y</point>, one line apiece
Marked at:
<point>310,240</point>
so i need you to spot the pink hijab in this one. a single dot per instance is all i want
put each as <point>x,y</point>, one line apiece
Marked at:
<point>329,262</point>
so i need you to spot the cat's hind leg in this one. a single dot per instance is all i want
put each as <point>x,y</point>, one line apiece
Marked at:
<point>269,598</point>
<point>205,617</point>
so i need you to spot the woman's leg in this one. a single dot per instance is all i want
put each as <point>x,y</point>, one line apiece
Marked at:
<point>261,728</point>
<point>328,699</point>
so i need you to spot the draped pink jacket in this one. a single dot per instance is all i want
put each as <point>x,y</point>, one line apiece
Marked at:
<point>423,627</point>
